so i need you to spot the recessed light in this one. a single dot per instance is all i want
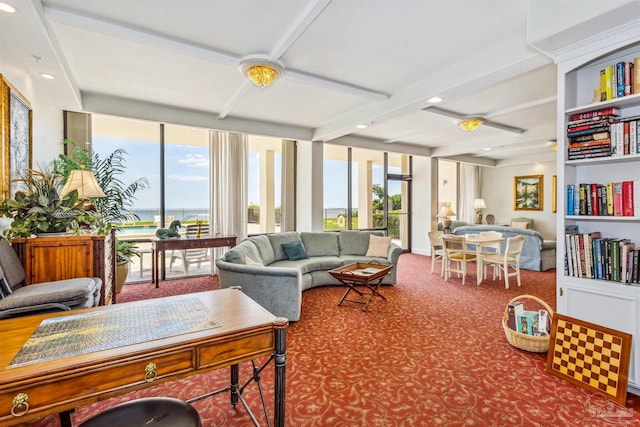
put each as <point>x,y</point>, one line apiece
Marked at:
<point>487,149</point>
<point>434,100</point>
<point>361,126</point>
<point>4,7</point>
<point>48,76</point>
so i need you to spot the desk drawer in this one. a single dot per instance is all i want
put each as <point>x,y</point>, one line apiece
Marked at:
<point>223,354</point>
<point>83,387</point>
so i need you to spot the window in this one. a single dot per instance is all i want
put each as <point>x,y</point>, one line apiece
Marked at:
<point>264,187</point>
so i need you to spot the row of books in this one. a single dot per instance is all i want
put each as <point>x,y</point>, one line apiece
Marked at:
<point>620,79</point>
<point>590,256</point>
<point>601,133</point>
<point>610,199</point>
<point>527,321</point>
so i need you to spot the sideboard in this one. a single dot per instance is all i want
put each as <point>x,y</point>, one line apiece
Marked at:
<point>49,258</point>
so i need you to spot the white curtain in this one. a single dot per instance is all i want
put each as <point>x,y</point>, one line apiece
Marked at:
<point>229,185</point>
<point>287,204</point>
<point>469,186</point>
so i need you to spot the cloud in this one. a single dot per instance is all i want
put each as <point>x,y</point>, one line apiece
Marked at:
<point>175,177</point>
<point>195,160</point>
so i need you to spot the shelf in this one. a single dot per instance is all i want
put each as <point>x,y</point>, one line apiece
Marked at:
<point>597,282</point>
<point>602,218</point>
<point>624,102</point>
<point>604,160</point>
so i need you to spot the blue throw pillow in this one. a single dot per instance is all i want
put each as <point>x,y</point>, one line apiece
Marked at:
<point>294,251</point>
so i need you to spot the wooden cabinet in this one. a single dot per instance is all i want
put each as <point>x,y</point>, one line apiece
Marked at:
<point>50,258</point>
<point>609,303</point>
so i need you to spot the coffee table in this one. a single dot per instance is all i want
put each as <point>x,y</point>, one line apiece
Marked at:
<point>365,274</point>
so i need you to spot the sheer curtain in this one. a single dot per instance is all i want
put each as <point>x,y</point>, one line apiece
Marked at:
<point>469,187</point>
<point>228,177</point>
<point>288,199</point>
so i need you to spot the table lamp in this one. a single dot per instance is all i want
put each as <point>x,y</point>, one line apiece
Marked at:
<point>445,213</point>
<point>478,205</point>
<point>84,181</point>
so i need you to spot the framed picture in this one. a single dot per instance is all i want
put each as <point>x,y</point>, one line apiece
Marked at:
<point>554,194</point>
<point>16,144</point>
<point>528,193</point>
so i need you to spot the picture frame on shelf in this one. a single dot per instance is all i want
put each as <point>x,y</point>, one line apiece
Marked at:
<point>554,194</point>
<point>16,143</point>
<point>528,193</point>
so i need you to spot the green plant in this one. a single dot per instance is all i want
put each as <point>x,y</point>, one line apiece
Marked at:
<point>115,207</point>
<point>125,251</point>
<point>38,207</point>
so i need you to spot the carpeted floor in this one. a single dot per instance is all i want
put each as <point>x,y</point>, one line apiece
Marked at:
<point>433,354</point>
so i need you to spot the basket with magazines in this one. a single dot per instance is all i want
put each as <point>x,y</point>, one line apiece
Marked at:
<point>535,343</point>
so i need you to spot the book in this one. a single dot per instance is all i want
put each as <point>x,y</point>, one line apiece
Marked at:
<point>617,199</point>
<point>567,254</point>
<point>611,111</point>
<point>588,131</point>
<point>636,198</point>
<point>620,79</point>
<point>628,70</point>
<point>609,187</point>
<point>627,198</point>
<point>636,75</point>
<point>527,322</point>
<point>607,84</point>
<point>594,199</point>
<point>591,137</point>
<point>514,309</point>
<point>570,190</point>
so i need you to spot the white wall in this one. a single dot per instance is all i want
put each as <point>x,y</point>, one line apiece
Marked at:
<point>497,192</point>
<point>422,205</point>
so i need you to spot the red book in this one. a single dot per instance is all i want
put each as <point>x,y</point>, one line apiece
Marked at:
<point>594,199</point>
<point>617,199</point>
<point>597,113</point>
<point>627,198</point>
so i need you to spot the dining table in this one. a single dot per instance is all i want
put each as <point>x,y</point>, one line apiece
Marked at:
<point>479,241</point>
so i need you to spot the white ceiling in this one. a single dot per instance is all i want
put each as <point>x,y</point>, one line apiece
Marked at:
<point>347,62</point>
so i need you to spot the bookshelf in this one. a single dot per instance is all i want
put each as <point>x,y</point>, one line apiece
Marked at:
<point>612,304</point>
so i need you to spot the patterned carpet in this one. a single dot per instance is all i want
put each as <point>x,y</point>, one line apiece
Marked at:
<point>433,354</point>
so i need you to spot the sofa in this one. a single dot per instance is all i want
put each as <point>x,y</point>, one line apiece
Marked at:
<point>537,254</point>
<point>264,270</point>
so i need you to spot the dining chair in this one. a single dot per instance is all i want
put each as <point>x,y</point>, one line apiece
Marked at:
<point>510,260</point>
<point>437,251</point>
<point>455,249</point>
<point>494,248</point>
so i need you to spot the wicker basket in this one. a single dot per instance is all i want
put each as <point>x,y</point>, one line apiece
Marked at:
<point>534,344</point>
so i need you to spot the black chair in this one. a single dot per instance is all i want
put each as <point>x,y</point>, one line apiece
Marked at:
<point>17,297</point>
<point>147,412</point>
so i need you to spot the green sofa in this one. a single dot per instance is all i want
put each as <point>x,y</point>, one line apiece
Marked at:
<point>260,265</point>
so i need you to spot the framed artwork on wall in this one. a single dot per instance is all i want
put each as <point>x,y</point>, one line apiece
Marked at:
<point>528,193</point>
<point>16,143</point>
<point>554,194</point>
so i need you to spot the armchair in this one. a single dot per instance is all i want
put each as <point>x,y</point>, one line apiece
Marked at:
<point>16,297</point>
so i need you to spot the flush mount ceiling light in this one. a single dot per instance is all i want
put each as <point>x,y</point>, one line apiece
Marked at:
<point>260,71</point>
<point>470,124</point>
<point>4,7</point>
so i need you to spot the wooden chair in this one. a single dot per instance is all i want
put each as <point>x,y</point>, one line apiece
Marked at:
<point>437,251</point>
<point>192,256</point>
<point>455,249</point>
<point>510,259</point>
<point>490,248</point>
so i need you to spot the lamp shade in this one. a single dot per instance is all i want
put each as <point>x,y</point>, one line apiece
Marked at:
<point>479,204</point>
<point>85,182</point>
<point>446,211</point>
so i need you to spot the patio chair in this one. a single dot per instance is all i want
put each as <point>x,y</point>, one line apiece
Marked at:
<point>18,298</point>
<point>192,256</point>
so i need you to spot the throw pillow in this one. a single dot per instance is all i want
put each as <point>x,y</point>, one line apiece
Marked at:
<point>379,246</point>
<point>517,224</point>
<point>249,261</point>
<point>294,250</point>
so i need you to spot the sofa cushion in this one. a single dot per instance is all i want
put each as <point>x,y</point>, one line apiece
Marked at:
<point>379,246</point>
<point>249,261</point>
<point>308,265</point>
<point>241,252</point>
<point>320,244</point>
<point>263,244</point>
<point>295,250</point>
<point>355,242</point>
<point>348,259</point>
<point>62,291</point>
<point>277,239</point>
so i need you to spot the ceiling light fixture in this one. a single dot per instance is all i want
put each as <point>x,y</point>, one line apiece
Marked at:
<point>470,124</point>
<point>4,7</point>
<point>48,76</point>
<point>260,71</point>
<point>361,126</point>
<point>434,100</point>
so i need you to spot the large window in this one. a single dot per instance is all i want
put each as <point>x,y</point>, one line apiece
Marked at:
<point>265,183</point>
<point>367,189</point>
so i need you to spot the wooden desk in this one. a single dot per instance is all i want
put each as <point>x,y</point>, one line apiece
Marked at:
<point>183,243</point>
<point>478,241</point>
<point>246,331</point>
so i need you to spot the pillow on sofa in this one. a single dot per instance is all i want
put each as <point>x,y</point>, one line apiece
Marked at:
<point>517,224</point>
<point>379,246</point>
<point>294,250</point>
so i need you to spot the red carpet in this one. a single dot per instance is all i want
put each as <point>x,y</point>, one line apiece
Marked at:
<point>433,354</point>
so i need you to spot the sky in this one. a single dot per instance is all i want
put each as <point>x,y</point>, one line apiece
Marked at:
<point>187,174</point>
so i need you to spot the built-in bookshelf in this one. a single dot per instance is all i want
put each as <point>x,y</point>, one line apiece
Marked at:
<point>590,287</point>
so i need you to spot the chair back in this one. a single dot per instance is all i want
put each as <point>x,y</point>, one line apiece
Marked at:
<point>454,243</point>
<point>14,273</point>
<point>514,246</point>
<point>435,239</point>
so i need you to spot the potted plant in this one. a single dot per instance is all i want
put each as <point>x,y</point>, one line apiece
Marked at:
<point>39,208</point>
<point>125,251</point>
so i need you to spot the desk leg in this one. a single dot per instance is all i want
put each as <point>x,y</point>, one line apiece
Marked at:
<point>234,384</point>
<point>154,268</point>
<point>65,419</point>
<point>280,374</point>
